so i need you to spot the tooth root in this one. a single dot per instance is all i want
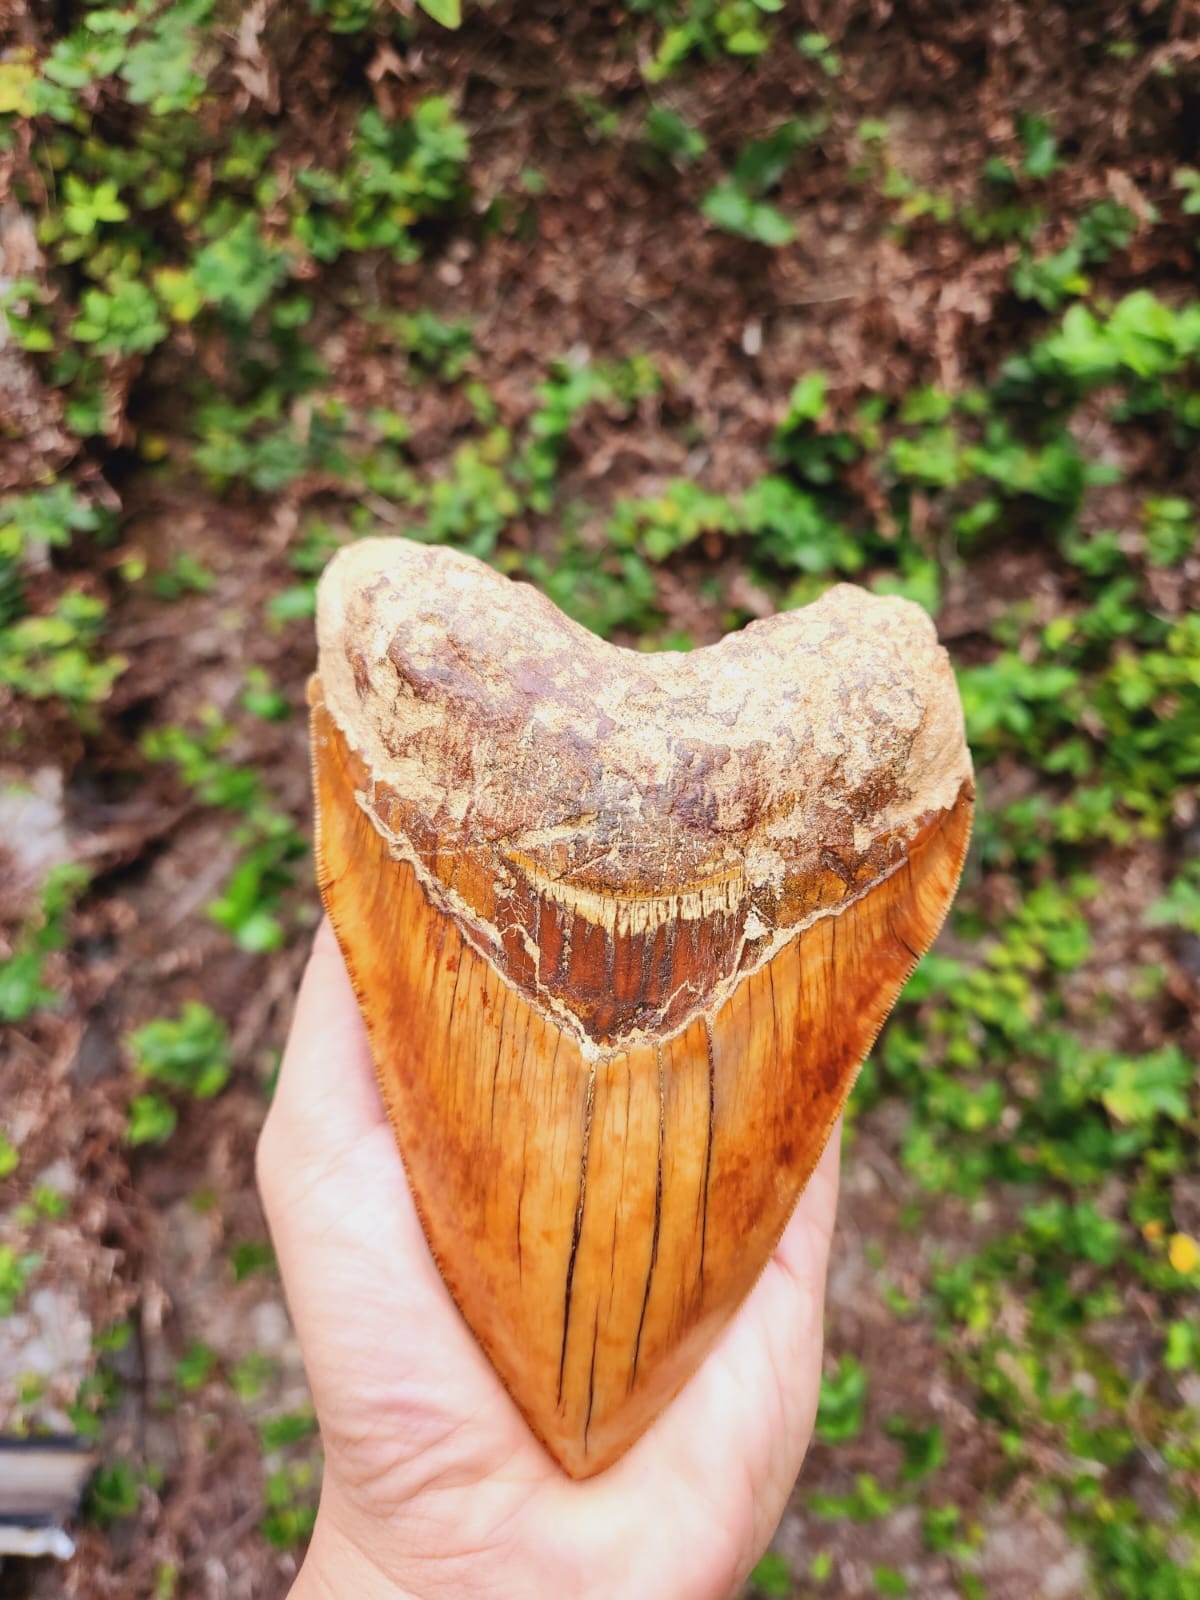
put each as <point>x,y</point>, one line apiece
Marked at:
<point>599,1212</point>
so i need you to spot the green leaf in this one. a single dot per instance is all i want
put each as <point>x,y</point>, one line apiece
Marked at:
<point>807,400</point>
<point>161,69</point>
<point>746,42</point>
<point>924,1448</point>
<point>447,12</point>
<point>676,139</point>
<point>769,226</point>
<point>238,272</point>
<point>15,1273</point>
<point>249,1376</point>
<point>190,1052</point>
<point>276,1432</point>
<point>250,1256</point>
<point>259,932</point>
<point>48,1202</point>
<point>842,1407</point>
<point>763,162</point>
<point>16,84</point>
<point>296,604</point>
<point>113,1493</point>
<point>772,1575</point>
<point>731,208</point>
<point>196,1367</point>
<point>152,1120</point>
<point>1142,1088</point>
<point>868,1501</point>
<point>125,322</point>
<point>1188,180</point>
<point>22,986</point>
<point>111,1340</point>
<point>1041,147</point>
<point>1182,1353</point>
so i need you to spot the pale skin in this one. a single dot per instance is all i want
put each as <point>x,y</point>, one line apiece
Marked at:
<point>434,1488</point>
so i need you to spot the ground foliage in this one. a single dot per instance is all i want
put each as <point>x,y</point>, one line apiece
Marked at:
<point>683,309</point>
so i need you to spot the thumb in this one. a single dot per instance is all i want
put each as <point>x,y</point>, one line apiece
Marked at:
<point>332,1183</point>
<point>326,1095</point>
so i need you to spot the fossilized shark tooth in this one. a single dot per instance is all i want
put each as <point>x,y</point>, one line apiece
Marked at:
<point>623,928</point>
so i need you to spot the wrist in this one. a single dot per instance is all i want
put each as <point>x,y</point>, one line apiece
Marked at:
<point>336,1569</point>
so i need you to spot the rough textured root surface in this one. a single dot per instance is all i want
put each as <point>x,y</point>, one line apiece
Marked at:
<point>599,1203</point>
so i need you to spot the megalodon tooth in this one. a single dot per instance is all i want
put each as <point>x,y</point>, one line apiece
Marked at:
<point>623,927</point>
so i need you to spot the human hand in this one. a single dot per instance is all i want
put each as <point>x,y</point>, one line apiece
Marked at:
<point>434,1487</point>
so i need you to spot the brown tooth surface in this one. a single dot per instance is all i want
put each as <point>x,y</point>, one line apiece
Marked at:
<point>622,929</point>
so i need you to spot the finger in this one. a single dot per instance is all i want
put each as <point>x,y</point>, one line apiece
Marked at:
<point>349,1242</point>
<point>817,1208</point>
<point>327,1096</point>
<point>332,1178</point>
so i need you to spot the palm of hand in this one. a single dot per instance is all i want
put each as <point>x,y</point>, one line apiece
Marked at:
<point>434,1485</point>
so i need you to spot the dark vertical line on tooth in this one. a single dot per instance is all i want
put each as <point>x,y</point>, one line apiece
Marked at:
<point>524,1058</point>
<point>670,944</point>
<point>587,1421</point>
<point>453,999</point>
<point>775,1017</point>
<point>901,940</point>
<point>499,1053</point>
<point>520,1203</point>
<point>525,1147</point>
<point>658,1189</point>
<point>435,960</point>
<point>708,1149</point>
<point>649,943</point>
<point>481,1022</point>
<point>442,925</point>
<point>578,1228</point>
